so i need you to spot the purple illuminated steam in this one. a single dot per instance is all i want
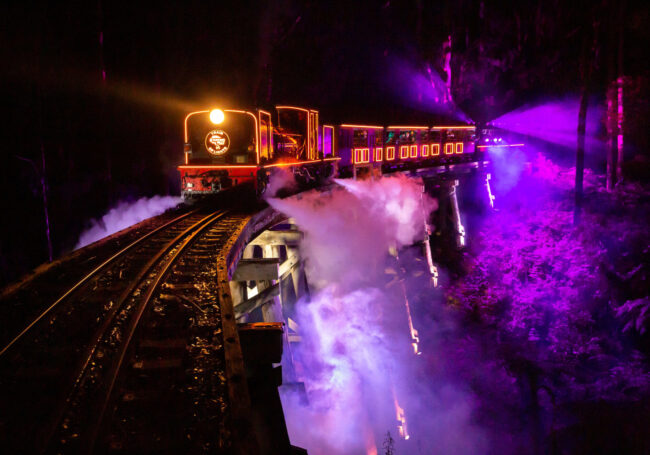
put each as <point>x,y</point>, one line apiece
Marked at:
<point>422,89</point>
<point>555,122</point>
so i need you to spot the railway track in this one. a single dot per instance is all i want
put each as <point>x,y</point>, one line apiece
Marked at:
<point>131,358</point>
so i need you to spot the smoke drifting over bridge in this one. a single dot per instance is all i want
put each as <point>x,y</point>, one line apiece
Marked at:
<point>360,370</point>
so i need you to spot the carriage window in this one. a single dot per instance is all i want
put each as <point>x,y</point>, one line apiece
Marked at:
<point>265,136</point>
<point>407,136</point>
<point>360,138</point>
<point>391,137</point>
<point>293,121</point>
<point>328,150</point>
<point>361,155</point>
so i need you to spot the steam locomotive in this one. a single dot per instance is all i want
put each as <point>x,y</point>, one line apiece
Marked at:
<point>228,148</point>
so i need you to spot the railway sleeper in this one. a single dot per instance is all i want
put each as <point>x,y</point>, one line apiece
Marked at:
<point>159,443</point>
<point>161,330</point>
<point>165,344</point>
<point>134,400</point>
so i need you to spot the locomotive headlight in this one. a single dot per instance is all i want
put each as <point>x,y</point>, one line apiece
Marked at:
<point>217,116</point>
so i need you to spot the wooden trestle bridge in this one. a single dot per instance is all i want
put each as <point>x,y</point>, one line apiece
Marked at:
<point>167,337</point>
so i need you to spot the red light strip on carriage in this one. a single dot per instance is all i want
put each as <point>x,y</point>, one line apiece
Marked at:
<point>414,151</point>
<point>293,107</point>
<point>378,153</point>
<point>348,125</point>
<point>425,150</point>
<point>208,166</point>
<point>390,153</point>
<point>403,152</point>
<point>456,127</point>
<point>435,149</point>
<point>408,127</point>
<point>298,163</point>
<point>236,166</point>
<point>501,145</point>
<point>449,148</point>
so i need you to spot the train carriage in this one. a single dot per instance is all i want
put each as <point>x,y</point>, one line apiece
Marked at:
<point>454,143</point>
<point>403,146</point>
<point>227,148</point>
<point>360,149</point>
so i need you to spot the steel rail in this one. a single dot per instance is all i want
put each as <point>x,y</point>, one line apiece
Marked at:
<point>108,319</point>
<point>143,305</point>
<point>90,275</point>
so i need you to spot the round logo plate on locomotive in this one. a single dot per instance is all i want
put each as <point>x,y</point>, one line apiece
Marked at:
<point>217,142</point>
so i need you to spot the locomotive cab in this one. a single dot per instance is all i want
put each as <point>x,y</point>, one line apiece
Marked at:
<point>227,148</point>
<point>221,150</point>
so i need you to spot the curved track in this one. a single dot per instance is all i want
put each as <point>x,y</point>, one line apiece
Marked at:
<point>140,328</point>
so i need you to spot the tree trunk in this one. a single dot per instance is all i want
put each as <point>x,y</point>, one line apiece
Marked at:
<point>45,209</point>
<point>615,100</point>
<point>585,70</point>
<point>612,32</point>
<point>580,153</point>
<point>619,80</point>
<point>446,50</point>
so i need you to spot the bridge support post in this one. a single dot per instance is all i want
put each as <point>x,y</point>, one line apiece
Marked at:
<point>271,275</point>
<point>458,225</point>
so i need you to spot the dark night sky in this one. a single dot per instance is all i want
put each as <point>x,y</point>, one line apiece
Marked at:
<point>105,141</point>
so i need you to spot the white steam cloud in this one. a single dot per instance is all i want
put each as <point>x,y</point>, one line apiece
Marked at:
<point>126,214</point>
<point>348,230</point>
<point>280,179</point>
<point>356,359</point>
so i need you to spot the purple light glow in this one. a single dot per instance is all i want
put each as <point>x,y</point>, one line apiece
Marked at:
<point>423,90</point>
<point>555,122</point>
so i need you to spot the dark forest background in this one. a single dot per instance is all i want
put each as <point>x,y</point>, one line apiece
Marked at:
<point>97,90</point>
